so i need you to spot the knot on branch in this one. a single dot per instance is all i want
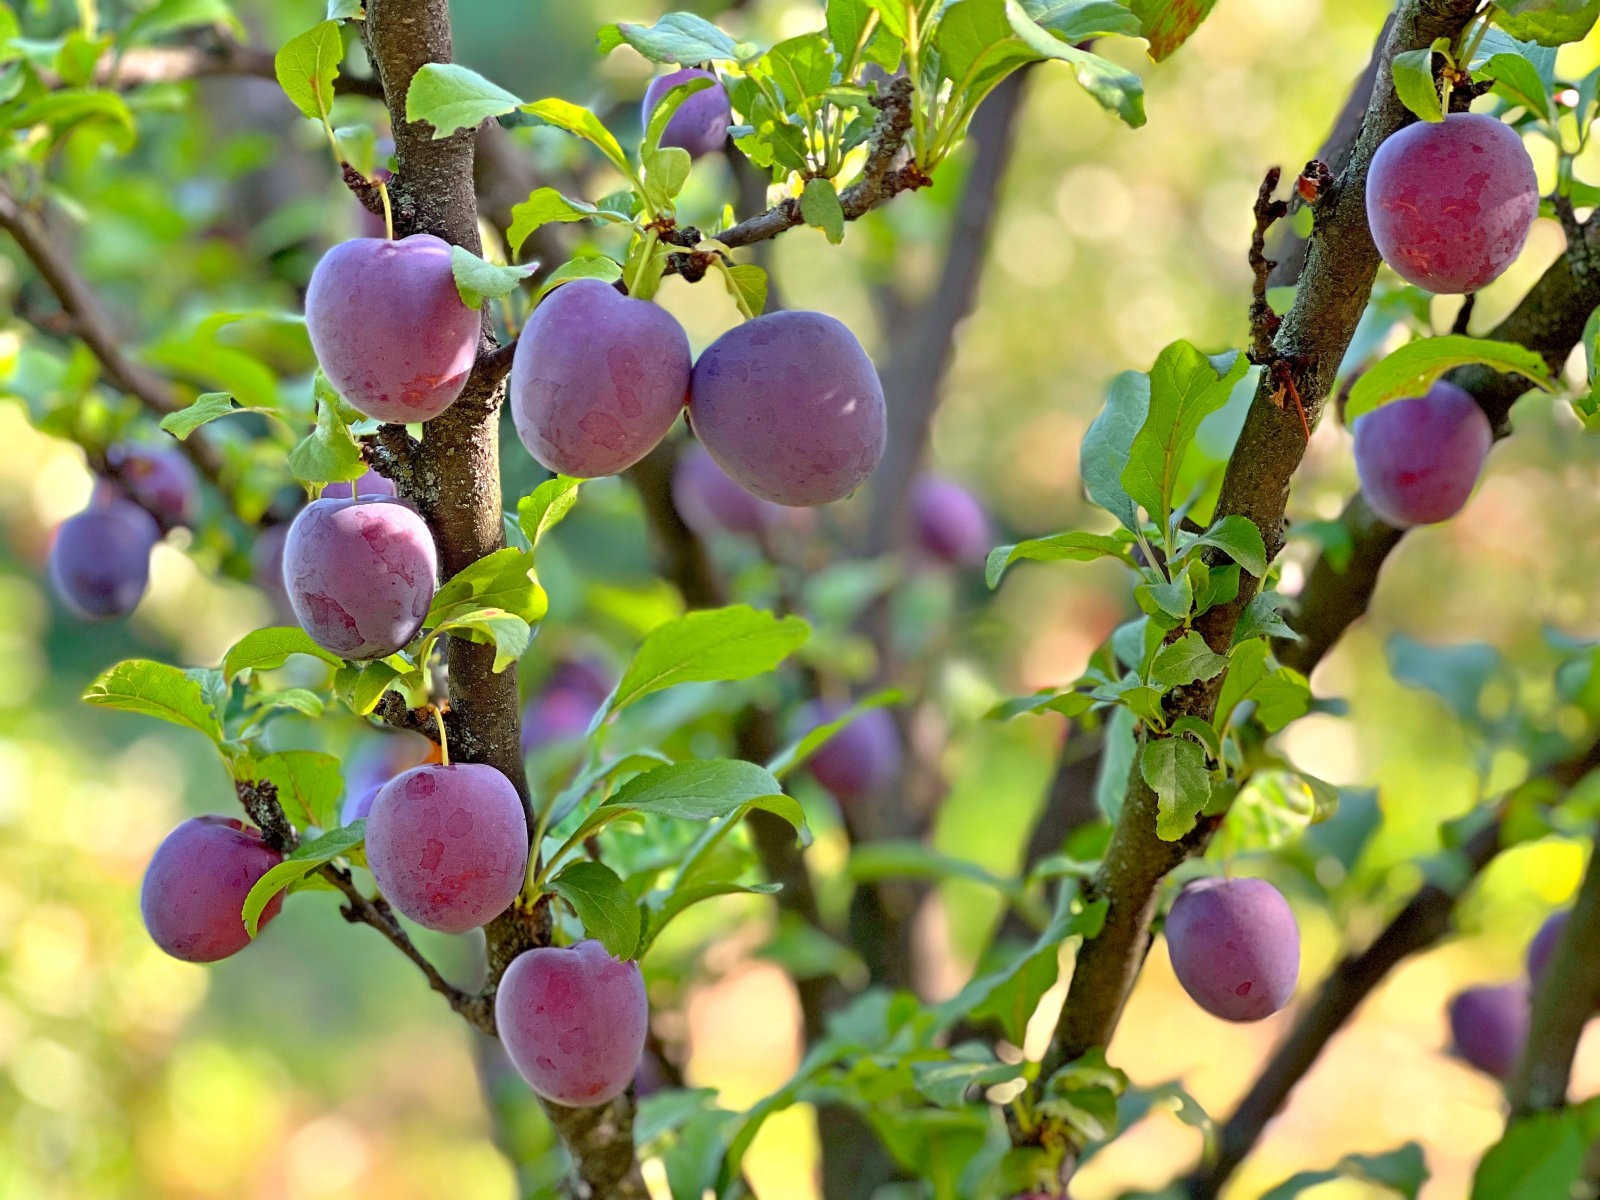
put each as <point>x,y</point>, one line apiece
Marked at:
<point>366,190</point>
<point>693,265</point>
<point>260,801</point>
<point>1313,184</point>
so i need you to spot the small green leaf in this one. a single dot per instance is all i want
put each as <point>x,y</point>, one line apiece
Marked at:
<point>1103,458</point>
<point>603,904</point>
<point>1175,769</point>
<point>268,649</point>
<point>747,284</point>
<point>545,205</point>
<point>329,453</point>
<point>947,1082</point>
<point>1072,546</point>
<point>309,784</point>
<point>701,789</point>
<point>580,122</point>
<point>1517,80</point>
<point>1547,22</point>
<point>647,263</point>
<point>155,689</point>
<point>1414,82</point>
<point>1262,618</point>
<point>478,280</point>
<point>542,509</point>
<point>306,858</point>
<point>1185,661</point>
<point>1185,388</point>
<point>1240,539</point>
<point>1413,368</point>
<point>584,266</point>
<point>1171,602</point>
<point>819,205</point>
<point>1279,694</point>
<point>679,37</point>
<point>712,645</point>
<point>449,97</point>
<point>207,407</point>
<point>307,65</point>
<point>666,170</point>
<point>507,632</point>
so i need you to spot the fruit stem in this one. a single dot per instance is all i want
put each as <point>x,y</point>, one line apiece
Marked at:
<point>438,716</point>
<point>388,213</point>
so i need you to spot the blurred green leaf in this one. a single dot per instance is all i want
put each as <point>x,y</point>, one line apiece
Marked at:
<point>947,1082</point>
<point>797,752</point>
<point>1072,546</point>
<point>1547,22</point>
<point>1169,23</point>
<point>1403,1170</point>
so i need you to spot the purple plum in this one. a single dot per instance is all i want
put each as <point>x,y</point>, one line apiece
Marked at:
<point>195,888</point>
<point>951,525</point>
<point>1418,459</point>
<point>1235,947</point>
<point>1489,1026</point>
<point>159,479</point>
<point>700,125</point>
<point>100,559</point>
<point>1543,945</point>
<point>858,761</point>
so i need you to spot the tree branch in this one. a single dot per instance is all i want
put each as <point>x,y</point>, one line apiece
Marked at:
<point>202,59</point>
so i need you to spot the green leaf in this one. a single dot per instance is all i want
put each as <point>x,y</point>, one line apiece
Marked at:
<point>65,108</point>
<point>306,858</point>
<point>678,37</point>
<point>1280,694</point>
<point>580,122</point>
<point>542,509</point>
<point>679,899</point>
<point>1170,602</point>
<point>306,67</point>
<point>1185,388</point>
<point>647,263</point>
<point>449,97</point>
<point>1167,24</point>
<point>507,632</point>
<point>1456,673</point>
<point>796,753</point>
<point>207,407</point>
<point>170,15</point>
<point>78,56</point>
<point>155,689</point>
<point>819,205</point>
<point>1103,457</point>
<point>1517,80</point>
<point>1262,618</point>
<point>1072,546</point>
<point>545,205</point>
<point>747,284</point>
<point>702,789</point>
<point>947,1082</point>
<point>268,649</point>
<point>329,453</point>
<point>309,784</point>
<point>603,904</point>
<point>1413,368</point>
<point>1114,87</point>
<point>1079,20</point>
<point>300,700</point>
<point>712,645</point>
<point>1414,82</point>
<point>1273,809</point>
<point>1175,769</point>
<point>1185,661</point>
<point>1240,539</point>
<point>1403,1170</point>
<point>584,266</point>
<point>1539,1156</point>
<point>873,861</point>
<point>478,280</point>
<point>1547,22</point>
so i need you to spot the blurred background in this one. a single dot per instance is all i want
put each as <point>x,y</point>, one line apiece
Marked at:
<point>317,1065</point>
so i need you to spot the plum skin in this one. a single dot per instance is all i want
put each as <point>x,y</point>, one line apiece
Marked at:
<point>861,759</point>
<point>100,559</point>
<point>157,478</point>
<point>1543,945</point>
<point>1418,459</point>
<point>563,707</point>
<point>951,525</point>
<point>1450,203</point>
<point>389,327</point>
<point>360,574</point>
<point>710,502</point>
<point>1489,1026</point>
<point>791,407</point>
<point>1235,947</point>
<point>573,1022</point>
<point>448,845</point>
<point>195,887</point>
<point>369,485</point>
<point>700,125</point>
<point>597,379</point>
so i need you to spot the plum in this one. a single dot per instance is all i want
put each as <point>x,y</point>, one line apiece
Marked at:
<point>562,708</point>
<point>700,125</point>
<point>159,479</point>
<point>195,887</point>
<point>711,503</point>
<point>360,574</point>
<point>861,759</point>
<point>448,845</point>
<point>1489,1025</point>
<point>266,567</point>
<point>951,525</point>
<point>573,1021</point>
<point>1450,203</point>
<point>389,328</point>
<point>791,407</point>
<point>597,379</point>
<point>369,485</point>
<point>100,559</point>
<point>377,761</point>
<point>1235,947</point>
<point>1543,945</point>
<point>1419,458</point>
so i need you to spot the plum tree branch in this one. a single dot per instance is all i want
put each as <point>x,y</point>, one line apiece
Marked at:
<point>455,482</point>
<point>1341,265</point>
<point>203,58</point>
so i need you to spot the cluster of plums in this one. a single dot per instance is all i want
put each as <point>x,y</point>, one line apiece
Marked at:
<point>100,559</point>
<point>1489,1023</point>
<point>1450,204</point>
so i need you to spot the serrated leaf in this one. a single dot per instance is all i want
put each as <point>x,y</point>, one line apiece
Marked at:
<point>1413,368</point>
<point>329,453</point>
<point>712,645</point>
<point>156,689</point>
<point>819,205</point>
<point>1072,546</point>
<point>1239,538</point>
<point>306,858</point>
<point>478,280</point>
<point>545,205</point>
<point>1517,80</point>
<point>1547,22</point>
<point>449,97</point>
<point>307,65</point>
<point>507,632</point>
<point>1262,617</point>
<point>206,408</point>
<point>1280,694</point>
<point>1185,661</point>
<point>268,649</point>
<point>309,784</point>
<point>1175,769</point>
<point>1185,388</point>
<point>609,914</point>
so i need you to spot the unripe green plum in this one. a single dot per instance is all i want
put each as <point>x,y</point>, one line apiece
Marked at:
<point>389,327</point>
<point>597,379</point>
<point>791,407</point>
